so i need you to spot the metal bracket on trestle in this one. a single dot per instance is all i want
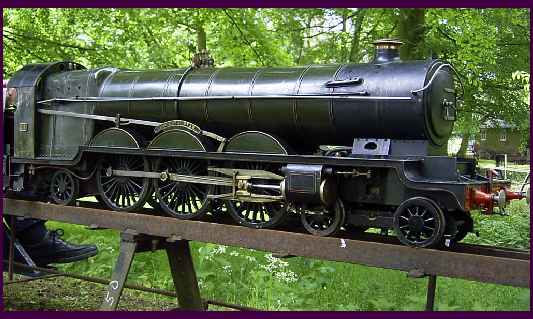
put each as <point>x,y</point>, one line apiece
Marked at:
<point>431,288</point>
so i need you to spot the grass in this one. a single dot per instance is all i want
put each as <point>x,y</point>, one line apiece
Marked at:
<point>258,280</point>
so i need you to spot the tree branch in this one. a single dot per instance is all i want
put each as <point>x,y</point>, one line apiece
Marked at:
<point>21,48</point>
<point>446,35</point>
<point>321,25</point>
<point>65,45</point>
<point>331,27</point>
<point>243,36</point>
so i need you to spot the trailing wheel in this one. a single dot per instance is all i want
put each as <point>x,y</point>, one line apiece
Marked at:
<point>419,222</point>
<point>254,214</point>
<point>123,193</point>
<point>326,221</point>
<point>64,188</point>
<point>180,199</point>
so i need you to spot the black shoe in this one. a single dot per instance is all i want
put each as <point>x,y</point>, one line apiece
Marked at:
<point>53,250</point>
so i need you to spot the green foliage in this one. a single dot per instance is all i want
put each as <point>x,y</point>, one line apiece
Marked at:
<point>486,46</point>
<point>489,47</point>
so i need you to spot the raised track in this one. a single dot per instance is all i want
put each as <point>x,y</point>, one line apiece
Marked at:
<point>471,262</point>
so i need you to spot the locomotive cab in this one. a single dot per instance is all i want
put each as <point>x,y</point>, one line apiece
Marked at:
<point>35,134</point>
<point>7,124</point>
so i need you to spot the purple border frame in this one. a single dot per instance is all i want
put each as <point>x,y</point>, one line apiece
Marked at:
<point>273,4</point>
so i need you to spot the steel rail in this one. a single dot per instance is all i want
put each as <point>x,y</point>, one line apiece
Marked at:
<point>470,262</point>
<point>97,280</point>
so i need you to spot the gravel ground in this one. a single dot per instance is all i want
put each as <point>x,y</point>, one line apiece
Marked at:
<point>61,293</point>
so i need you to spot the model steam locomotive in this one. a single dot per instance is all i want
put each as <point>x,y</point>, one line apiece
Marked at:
<point>353,145</point>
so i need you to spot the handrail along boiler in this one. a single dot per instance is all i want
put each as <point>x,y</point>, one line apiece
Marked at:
<point>352,145</point>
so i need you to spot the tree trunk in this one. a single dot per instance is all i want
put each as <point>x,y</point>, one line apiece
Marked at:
<point>411,30</point>
<point>464,145</point>
<point>344,20</point>
<point>201,38</point>
<point>357,23</point>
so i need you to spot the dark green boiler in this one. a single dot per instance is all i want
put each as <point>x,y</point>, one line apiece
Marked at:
<point>386,100</point>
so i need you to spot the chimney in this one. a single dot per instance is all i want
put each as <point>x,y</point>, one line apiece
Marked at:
<point>387,50</point>
<point>202,59</point>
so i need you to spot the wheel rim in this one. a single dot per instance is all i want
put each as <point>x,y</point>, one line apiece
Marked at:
<point>419,222</point>
<point>179,199</point>
<point>122,192</point>
<point>258,215</point>
<point>325,222</point>
<point>463,224</point>
<point>63,187</point>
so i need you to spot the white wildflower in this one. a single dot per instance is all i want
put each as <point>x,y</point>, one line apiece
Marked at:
<point>219,250</point>
<point>286,276</point>
<point>227,269</point>
<point>279,270</point>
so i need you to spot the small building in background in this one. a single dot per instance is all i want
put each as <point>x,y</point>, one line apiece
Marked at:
<point>499,137</point>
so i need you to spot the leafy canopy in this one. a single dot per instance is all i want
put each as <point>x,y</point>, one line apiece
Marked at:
<point>488,47</point>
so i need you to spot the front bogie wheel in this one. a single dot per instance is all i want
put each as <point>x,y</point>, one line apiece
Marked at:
<point>419,222</point>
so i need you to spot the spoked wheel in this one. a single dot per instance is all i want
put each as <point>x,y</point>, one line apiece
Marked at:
<point>326,221</point>
<point>218,207</point>
<point>419,222</point>
<point>179,199</point>
<point>123,193</point>
<point>258,215</point>
<point>64,188</point>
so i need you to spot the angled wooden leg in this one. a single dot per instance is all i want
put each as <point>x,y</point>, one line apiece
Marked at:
<point>432,285</point>
<point>11,249</point>
<point>128,245</point>
<point>184,276</point>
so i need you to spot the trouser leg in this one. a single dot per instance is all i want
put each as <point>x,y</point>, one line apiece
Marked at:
<point>30,230</point>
